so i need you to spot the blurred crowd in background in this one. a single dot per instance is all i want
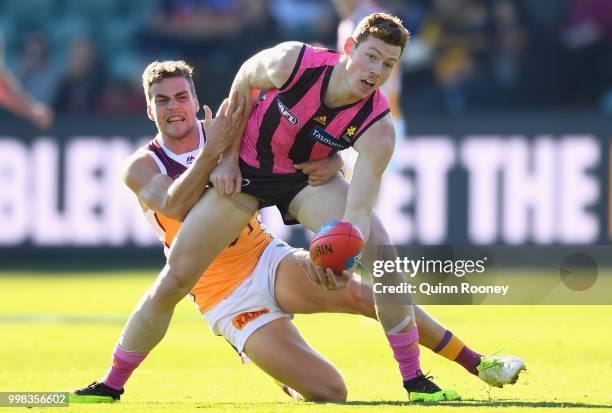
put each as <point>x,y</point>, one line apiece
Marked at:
<point>465,55</point>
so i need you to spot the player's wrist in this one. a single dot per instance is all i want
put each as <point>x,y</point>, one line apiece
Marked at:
<point>230,157</point>
<point>231,154</point>
<point>208,156</point>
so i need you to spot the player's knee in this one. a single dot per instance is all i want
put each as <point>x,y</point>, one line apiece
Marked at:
<point>334,391</point>
<point>354,297</point>
<point>184,272</point>
<point>337,392</point>
<point>182,283</point>
<point>170,288</point>
<point>365,301</point>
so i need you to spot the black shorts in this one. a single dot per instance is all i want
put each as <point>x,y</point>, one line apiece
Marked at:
<point>273,189</point>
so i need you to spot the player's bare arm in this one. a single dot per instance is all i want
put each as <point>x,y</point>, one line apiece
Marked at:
<point>375,148</point>
<point>14,98</point>
<point>268,69</point>
<point>321,171</point>
<point>174,199</point>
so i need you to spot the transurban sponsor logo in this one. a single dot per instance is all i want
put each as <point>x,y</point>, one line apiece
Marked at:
<point>287,113</point>
<point>326,139</point>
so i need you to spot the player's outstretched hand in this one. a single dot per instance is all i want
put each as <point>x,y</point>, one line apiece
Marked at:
<point>321,171</point>
<point>327,280</point>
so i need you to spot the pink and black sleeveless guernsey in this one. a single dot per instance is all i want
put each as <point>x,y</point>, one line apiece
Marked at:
<point>292,124</point>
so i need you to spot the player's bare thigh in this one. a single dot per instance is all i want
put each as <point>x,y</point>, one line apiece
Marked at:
<point>211,225</point>
<point>297,294</point>
<point>314,206</point>
<point>279,350</point>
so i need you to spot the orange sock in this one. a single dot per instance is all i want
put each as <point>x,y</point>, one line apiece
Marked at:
<point>452,348</point>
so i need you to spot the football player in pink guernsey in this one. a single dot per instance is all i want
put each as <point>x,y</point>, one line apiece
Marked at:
<point>316,102</point>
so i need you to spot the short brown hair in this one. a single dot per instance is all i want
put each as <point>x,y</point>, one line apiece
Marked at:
<point>157,71</point>
<point>382,26</point>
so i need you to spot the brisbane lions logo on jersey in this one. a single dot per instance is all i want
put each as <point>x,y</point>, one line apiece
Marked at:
<point>287,113</point>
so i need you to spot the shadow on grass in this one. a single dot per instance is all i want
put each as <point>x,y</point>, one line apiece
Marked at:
<point>459,403</point>
<point>487,403</point>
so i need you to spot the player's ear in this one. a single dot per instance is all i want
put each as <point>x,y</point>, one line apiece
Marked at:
<point>196,103</point>
<point>150,112</point>
<point>349,43</point>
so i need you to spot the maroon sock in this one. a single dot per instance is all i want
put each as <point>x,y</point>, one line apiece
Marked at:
<point>469,359</point>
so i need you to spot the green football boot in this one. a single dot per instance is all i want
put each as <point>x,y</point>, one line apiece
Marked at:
<point>422,389</point>
<point>96,392</point>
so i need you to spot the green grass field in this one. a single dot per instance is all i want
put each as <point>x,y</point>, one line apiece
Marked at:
<point>57,333</point>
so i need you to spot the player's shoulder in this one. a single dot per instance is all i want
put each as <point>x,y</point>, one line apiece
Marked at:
<point>384,123</point>
<point>290,48</point>
<point>314,56</point>
<point>281,61</point>
<point>380,133</point>
<point>303,53</point>
<point>285,55</point>
<point>382,126</point>
<point>296,57</point>
<point>141,161</point>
